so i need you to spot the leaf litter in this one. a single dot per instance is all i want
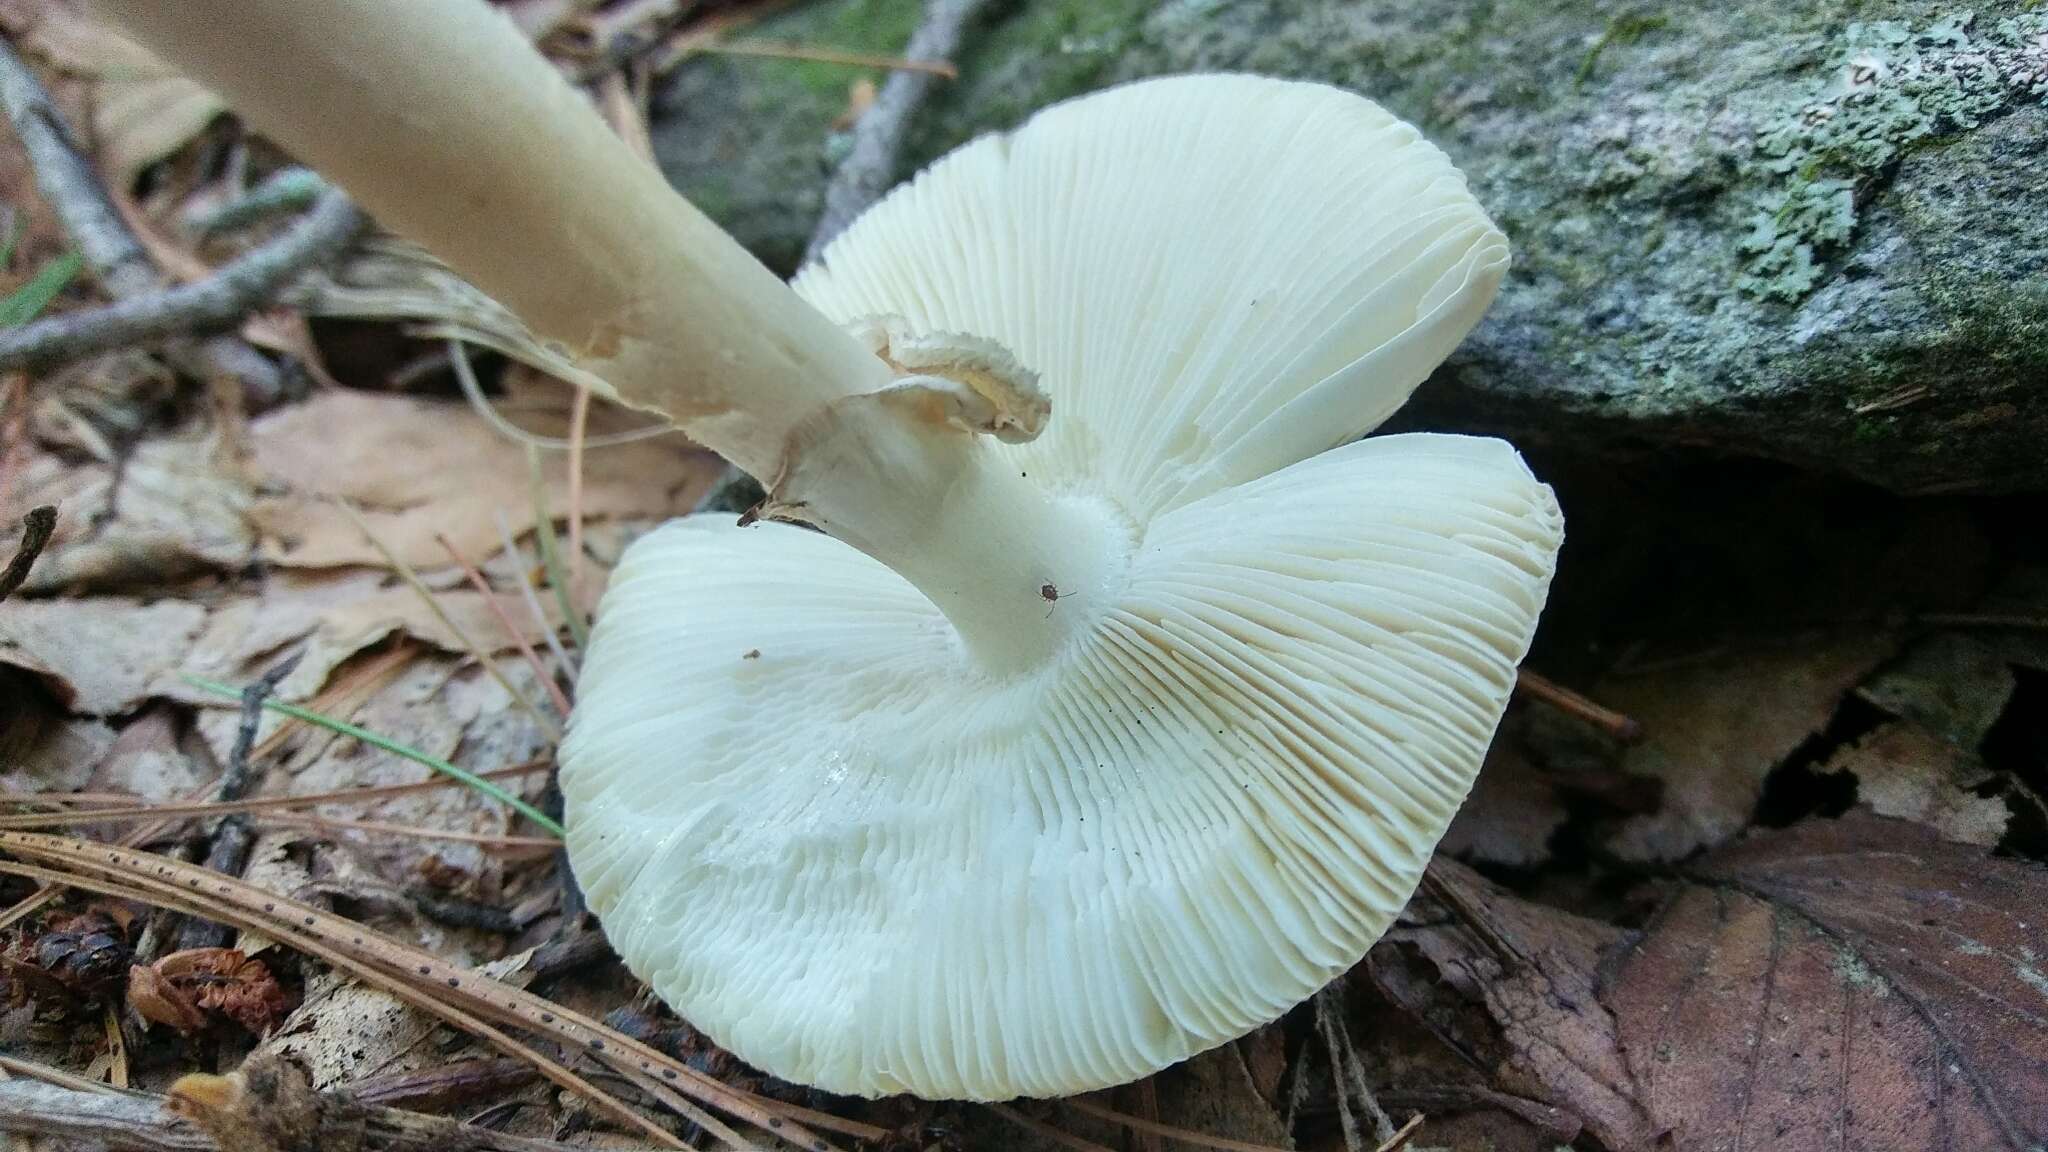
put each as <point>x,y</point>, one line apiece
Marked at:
<point>1795,913</point>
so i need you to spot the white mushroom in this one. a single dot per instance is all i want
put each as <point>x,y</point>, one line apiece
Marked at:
<point>1193,765</point>
<point>1124,723</point>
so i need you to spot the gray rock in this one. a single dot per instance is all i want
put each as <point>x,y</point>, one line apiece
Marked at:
<point>1801,229</point>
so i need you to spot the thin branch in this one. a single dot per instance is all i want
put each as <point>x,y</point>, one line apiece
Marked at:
<point>1615,724</point>
<point>781,51</point>
<point>233,838</point>
<point>243,285</point>
<point>117,259</point>
<point>870,168</point>
<point>68,182</point>
<point>128,1122</point>
<point>285,190</point>
<point>35,532</point>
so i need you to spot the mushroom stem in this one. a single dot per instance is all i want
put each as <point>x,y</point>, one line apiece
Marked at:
<point>454,132</point>
<point>444,122</point>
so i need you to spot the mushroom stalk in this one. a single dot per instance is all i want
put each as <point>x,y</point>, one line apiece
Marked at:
<point>455,133</point>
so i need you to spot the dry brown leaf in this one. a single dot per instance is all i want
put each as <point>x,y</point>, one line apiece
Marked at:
<point>1852,983</point>
<point>1512,813</point>
<point>1514,986</point>
<point>1903,772</point>
<point>1857,983</point>
<point>223,980</point>
<point>102,655</point>
<point>331,615</point>
<point>172,508</point>
<point>1214,1094</point>
<point>147,760</point>
<point>41,751</point>
<point>437,705</point>
<point>418,467</point>
<point>1714,729</point>
<point>159,1000</point>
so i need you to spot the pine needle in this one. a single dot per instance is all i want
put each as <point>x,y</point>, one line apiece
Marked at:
<point>512,631</point>
<point>122,808</point>
<point>1047,1131</point>
<point>410,831</point>
<point>377,672</point>
<point>127,883</point>
<point>343,727</point>
<point>550,555</point>
<point>518,559</point>
<point>457,995</point>
<point>1168,1131</point>
<point>433,602</point>
<point>579,428</point>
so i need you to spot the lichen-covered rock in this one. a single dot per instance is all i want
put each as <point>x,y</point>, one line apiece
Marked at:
<point>1793,228</point>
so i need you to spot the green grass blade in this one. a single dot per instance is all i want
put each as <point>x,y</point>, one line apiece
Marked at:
<point>28,301</point>
<point>467,777</point>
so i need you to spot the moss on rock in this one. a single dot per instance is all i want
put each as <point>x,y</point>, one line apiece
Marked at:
<point>1808,229</point>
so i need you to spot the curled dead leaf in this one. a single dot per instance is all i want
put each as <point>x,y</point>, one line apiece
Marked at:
<point>180,989</point>
<point>159,1000</point>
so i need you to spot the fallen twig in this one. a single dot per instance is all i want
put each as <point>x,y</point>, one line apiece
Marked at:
<point>35,532</point>
<point>1622,728</point>
<point>68,183</point>
<point>137,1123</point>
<point>870,168</point>
<point>912,64</point>
<point>1348,1074</point>
<point>231,840</point>
<point>460,997</point>
<point>243,285</point>
<point>117,259</point>
<point>1400,1139</point>
<point>285,190</point>
<point>1167,1131</point>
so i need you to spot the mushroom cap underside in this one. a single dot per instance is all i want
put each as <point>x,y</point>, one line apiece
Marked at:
<point>828,839</point>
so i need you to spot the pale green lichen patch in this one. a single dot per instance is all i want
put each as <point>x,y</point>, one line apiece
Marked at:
<point>1893,87</point>
<point>1853,971</point>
